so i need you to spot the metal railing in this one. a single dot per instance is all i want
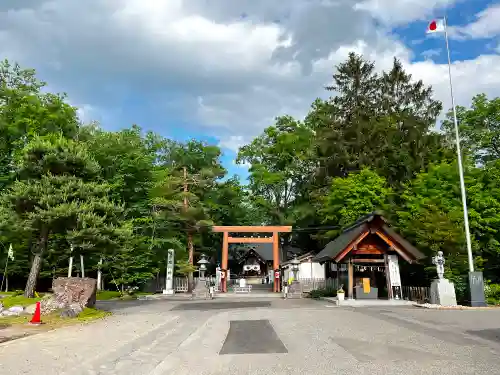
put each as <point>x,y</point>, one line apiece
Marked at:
<point>308,285</point>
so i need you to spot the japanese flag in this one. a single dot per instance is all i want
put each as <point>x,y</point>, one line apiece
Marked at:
<point>436,26</point>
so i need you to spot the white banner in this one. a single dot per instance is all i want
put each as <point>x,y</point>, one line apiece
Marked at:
<point>394,270</point>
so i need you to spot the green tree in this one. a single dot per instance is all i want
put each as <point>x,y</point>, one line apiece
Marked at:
<point>479,128</point>
<point>189,172</point>
<point>351,197</point>
<point>384,122</point>
<point>281,166</point>
<point>54,195</point>
<point>432,217</point>
<point>25,112</point>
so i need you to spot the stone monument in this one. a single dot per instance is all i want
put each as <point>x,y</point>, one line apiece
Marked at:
<point>169,277</point>
<point>72,294</point>
<point>442,290</point>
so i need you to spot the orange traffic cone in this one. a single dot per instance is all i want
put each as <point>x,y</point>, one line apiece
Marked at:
<point>37,315</point>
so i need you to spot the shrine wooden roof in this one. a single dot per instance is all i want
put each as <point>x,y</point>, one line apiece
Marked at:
<point>372,224</point>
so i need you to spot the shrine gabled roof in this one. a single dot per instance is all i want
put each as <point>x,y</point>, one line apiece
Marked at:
<point>371,223</point>
<point>263,250</point>
<point>335,247</point>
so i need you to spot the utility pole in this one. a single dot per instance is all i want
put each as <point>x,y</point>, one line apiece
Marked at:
<point>189,234</point>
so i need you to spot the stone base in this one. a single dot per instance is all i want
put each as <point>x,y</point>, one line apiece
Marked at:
<point>443,293</point>
<point>294,290</point>
<point>476,290</point>
<point>168,292</point>
<point>200,290</point>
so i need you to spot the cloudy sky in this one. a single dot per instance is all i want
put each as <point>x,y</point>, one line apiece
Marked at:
<point>221,70</point>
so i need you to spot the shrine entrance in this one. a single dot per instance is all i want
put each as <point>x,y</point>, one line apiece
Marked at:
<point>274,240</point>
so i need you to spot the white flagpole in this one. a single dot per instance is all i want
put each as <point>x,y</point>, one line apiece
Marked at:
<point>459,156</point>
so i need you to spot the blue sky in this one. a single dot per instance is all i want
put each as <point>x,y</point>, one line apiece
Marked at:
<point>221,71</point>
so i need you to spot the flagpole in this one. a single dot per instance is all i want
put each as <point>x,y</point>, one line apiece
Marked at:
<point>459,155</point>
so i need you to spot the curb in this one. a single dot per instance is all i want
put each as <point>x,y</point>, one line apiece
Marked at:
<point>460,307</point>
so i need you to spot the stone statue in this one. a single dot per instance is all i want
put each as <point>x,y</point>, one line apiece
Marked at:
<point>439,261</point>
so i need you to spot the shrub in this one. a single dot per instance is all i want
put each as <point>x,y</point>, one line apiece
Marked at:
<point>320,293</point>
<point>492,294</point>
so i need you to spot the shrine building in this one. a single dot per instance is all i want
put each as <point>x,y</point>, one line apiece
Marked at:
<point>365,259</point>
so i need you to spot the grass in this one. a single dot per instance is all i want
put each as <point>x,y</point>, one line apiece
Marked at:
<point>14,300</point>
<point>106,295</point>
<point>54,320</point>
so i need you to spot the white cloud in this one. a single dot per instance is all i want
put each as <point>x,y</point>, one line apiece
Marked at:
<point>428,54</point>
<point>394,12</point>
<point>226,74</point>
<point>486,25</point>
<point>233,142</point>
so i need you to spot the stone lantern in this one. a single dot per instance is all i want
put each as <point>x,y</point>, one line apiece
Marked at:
<point>203,266</point>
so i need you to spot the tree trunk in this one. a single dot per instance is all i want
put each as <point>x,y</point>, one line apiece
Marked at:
<point>70,266</point>
<point>6,283</point>
<point>36,265</point>
<point>99,275</point>
<point>81,265</point>
<point>191,261</point>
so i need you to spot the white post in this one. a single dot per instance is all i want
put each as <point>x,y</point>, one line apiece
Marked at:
<point>99,275</point>
<point>81,265</point>
<point>4,276</point>
<point>459,156</point>
<point>70,266</point>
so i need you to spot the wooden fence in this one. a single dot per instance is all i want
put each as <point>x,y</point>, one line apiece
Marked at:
<point>181,283</point>
<point>420,294</point>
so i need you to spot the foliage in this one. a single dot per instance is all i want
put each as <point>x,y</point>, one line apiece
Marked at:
<point>281,163</point>
<point>353,197</point>
<point>321,293</point>
<point>492,294</point>
<point>479,128</point>
<point>184,268</point>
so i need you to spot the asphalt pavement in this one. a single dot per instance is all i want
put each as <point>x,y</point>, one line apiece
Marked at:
<point>263,337</point>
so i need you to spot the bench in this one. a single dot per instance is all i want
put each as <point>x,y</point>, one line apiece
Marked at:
<point>242,289</point>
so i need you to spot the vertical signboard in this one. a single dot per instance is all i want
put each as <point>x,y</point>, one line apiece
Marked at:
<point>395,276</point>
<point>169,279</point>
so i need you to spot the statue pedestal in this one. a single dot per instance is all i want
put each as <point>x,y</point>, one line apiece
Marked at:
<point>476,288</point>
<point>443,293</point>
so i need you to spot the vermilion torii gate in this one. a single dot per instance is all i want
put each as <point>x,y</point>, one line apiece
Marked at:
<point>275,230</point>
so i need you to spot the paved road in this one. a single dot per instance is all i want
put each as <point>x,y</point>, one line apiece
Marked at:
<point>263,337</point>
